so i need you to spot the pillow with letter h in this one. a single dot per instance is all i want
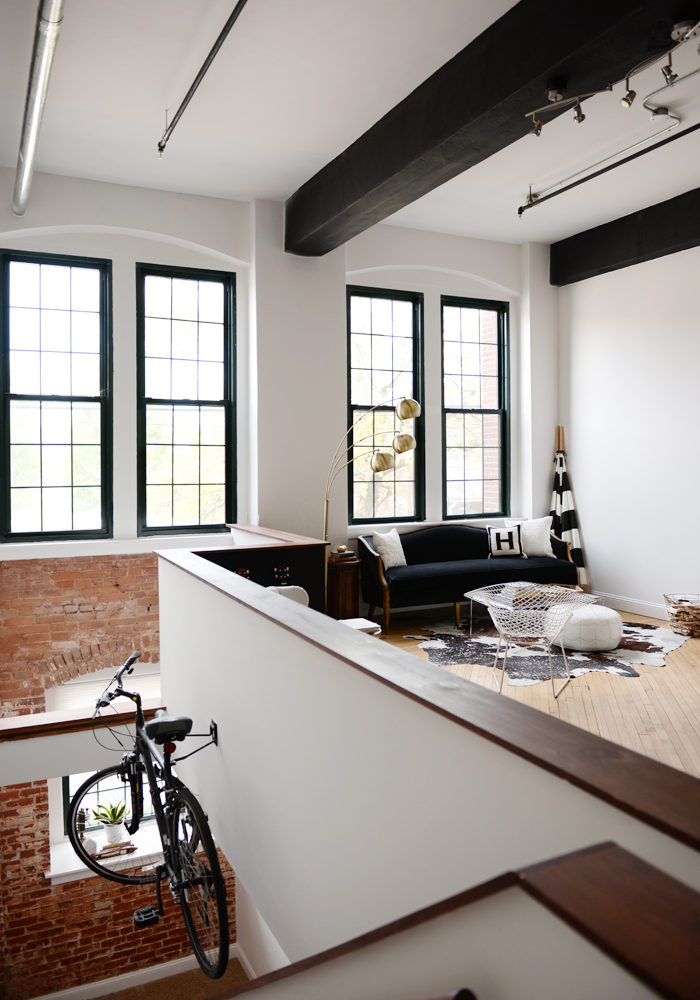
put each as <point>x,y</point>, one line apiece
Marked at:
<point>505,541</point>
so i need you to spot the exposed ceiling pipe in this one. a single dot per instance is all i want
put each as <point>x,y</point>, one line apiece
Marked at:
<point>48,24</point>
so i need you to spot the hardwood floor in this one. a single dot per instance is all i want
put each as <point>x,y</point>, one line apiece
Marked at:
<point>656,714</point>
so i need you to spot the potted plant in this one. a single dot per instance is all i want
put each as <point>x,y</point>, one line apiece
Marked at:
<point>112,816</point>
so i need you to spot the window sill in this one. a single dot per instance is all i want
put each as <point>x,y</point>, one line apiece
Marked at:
<point>66,866</point>
<point>111,546</point>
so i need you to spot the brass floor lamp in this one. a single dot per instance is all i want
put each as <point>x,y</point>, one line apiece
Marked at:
<point>383,458</point>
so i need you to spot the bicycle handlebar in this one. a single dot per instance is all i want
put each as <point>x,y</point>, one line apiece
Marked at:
<point>127,668</point>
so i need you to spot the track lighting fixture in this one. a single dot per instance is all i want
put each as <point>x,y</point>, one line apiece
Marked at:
<point>578,114</point>
<point>536,126</point>
<point>668,74</point>
<point>630,95</point>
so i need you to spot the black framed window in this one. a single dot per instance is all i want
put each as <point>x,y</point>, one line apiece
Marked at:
<point>186,415</point>
<point>55,423</point>
<point>475,407</point>
<point>384,365</point>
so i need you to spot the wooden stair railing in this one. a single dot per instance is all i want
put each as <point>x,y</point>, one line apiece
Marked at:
<point>641,918</point>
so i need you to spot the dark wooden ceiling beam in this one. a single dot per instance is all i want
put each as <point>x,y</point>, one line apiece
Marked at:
<point>472,107</point>
<point>668,227</point>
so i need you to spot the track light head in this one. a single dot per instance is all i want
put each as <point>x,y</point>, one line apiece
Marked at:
<point>578,114</point>
<point>626,101</point>
<point>536,126</point>
<point>669,75</point>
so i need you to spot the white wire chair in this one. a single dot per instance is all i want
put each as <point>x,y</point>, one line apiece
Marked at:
<point>528,613</point>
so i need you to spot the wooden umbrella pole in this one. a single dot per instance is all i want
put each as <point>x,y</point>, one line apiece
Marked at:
<point>559,439</point>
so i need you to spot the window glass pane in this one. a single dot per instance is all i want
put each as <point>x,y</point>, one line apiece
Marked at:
<point>25,422</point>
<point>158,292</point>
<point>186,505</point>
<point>159,506</point>
<point>185,464</point>
<point>85,332</point>
<point>55,374</point>
<point>25,509</point>
<point>184,380</point>
<point>55,286</point>
<point>159,463</point>
<point>186,425</point>
<point>213,465</point>
<point>212,425</point>
<point>86,423</point>
<point>56,465</point>
<point>25,372</point>
<point>159,424</point>
<point>212,503</point>
<point>211,342</point>
<point>57,509</point>
<point>184,299</point>
<point>87,508</point>
<point>85,289</point>
<point>158,378</point>
<point>55,423</point>
<point>211,380</point>
<point>24,329</point>
<point>24,283</point>
<point>86,465</point>
<point>55,330</point>
<point>25,465</point>
<point>184,340</point>
<point>85,379</point>
<point>211,302</point>
<point>158,338</point>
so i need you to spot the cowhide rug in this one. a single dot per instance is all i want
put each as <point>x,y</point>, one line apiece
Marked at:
<point>641,644</point>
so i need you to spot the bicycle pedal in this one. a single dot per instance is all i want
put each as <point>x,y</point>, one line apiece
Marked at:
<point>146,916</point>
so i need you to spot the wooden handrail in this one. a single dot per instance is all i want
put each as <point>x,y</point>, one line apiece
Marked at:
<point>640,917</point>
<point>26,727</point>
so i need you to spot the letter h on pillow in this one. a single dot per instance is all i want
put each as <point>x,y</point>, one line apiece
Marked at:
<point>505,541</point>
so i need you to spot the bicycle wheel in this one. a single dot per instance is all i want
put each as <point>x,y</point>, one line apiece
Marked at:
<point>201,885</point>
<point>130,859</point>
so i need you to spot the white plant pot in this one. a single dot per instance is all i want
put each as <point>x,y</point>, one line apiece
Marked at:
<point>115,833</point>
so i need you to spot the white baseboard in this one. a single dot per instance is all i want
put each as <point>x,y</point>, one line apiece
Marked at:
<point>130,979</point>
<point>632,605</point>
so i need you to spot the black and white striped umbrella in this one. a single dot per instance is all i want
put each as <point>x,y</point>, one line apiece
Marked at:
<point>564,520</point>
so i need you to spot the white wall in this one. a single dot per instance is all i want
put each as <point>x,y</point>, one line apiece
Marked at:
<point>130,225</point>
<point>631,409</point>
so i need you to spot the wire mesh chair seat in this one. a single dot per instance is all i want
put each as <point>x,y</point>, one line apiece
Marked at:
<point>526,614</point>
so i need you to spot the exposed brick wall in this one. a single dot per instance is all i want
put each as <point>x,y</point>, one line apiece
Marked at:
<point>60,618</point>
<point>60,937</point>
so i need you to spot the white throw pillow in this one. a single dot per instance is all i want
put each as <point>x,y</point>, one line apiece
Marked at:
<point>536,536</point>
<point>388,545</point>
<point>505,541</point>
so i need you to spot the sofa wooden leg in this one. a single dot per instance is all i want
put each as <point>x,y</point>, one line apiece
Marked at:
<point>458,613</point>
<point>387,613</point>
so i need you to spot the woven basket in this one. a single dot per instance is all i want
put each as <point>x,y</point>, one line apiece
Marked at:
<point>684,613</point>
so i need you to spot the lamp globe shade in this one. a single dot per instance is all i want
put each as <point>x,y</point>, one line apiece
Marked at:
<point>382,461</point>
<point>407,408</point>
<point>403,442</point>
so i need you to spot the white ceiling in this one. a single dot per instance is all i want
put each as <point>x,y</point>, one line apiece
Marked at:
<point>297,82</point>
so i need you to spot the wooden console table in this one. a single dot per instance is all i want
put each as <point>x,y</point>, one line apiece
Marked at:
<point>274,558</point>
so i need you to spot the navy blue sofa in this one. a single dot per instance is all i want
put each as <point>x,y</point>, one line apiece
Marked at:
<point>445,561</point>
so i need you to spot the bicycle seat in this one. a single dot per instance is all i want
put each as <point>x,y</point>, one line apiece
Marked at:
<point>164,727</point>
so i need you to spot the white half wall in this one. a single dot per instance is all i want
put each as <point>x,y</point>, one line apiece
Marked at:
<point>631,410</point>
<point>341,802</point>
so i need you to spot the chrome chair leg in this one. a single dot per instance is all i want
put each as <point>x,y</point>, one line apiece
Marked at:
<point>499,686</point>
<point>551,670</point>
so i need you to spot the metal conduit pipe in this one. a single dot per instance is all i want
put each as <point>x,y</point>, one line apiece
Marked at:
<point>48,24</point>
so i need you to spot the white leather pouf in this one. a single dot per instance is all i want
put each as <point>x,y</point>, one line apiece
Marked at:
<point>593,627</point>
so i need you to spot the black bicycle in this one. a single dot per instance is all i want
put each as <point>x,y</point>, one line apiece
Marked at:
<point>113,835</point>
